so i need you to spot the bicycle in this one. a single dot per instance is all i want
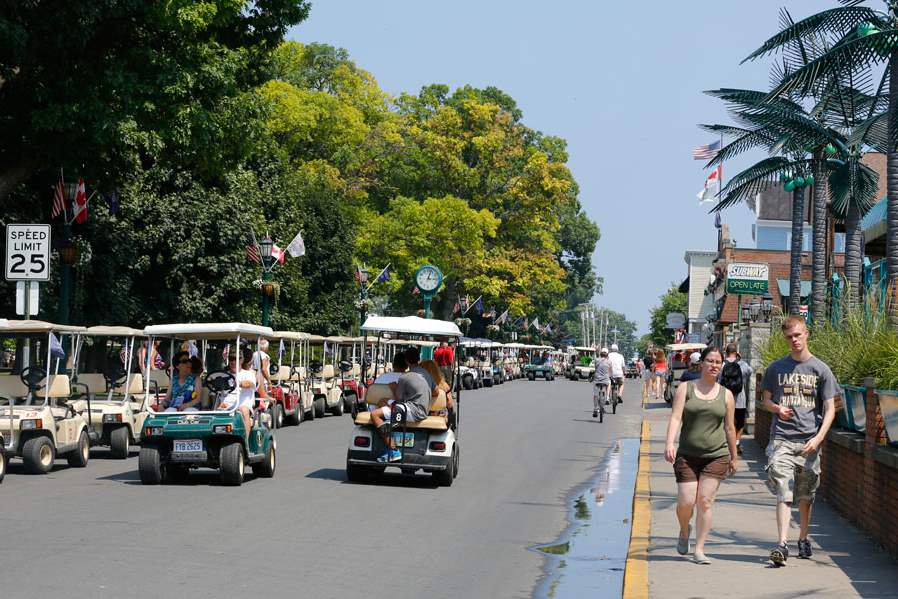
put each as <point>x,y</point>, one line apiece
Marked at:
<point>615,395</point>
<point>598,402</point>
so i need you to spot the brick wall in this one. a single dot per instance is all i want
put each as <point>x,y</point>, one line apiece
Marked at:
<point>859,472</point>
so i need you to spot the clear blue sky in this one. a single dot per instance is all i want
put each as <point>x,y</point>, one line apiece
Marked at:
<point>622,83</point>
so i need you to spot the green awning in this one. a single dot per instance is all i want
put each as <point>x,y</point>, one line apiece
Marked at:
<point>783,285</point>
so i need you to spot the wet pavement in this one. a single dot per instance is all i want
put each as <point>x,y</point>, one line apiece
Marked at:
<point>589,558</point>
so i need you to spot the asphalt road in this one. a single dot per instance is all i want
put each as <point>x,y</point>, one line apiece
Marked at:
<point>97,532</point>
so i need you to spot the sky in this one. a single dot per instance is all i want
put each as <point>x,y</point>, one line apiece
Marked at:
<point>622,84</point>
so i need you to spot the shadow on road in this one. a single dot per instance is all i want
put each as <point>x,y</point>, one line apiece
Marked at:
<point>388,479</point>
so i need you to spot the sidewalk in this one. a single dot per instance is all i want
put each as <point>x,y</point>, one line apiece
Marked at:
<point>844,564</point>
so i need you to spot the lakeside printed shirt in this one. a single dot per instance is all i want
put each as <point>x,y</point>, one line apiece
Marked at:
<point>802,386</point>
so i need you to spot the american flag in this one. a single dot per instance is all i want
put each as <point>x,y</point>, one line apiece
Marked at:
<point>707,151</point>
<point>58,198</point>
<point>252,252</point>
<point>415,290</point>
<point>456,308</point>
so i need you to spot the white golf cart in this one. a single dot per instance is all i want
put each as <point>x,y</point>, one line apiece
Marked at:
<point>430,445</point>
<point>291,394</point>
<point>325,380</point>
<point>677,363</point>
<point>107,372</point>
<point>582,365</point>
<point>39,420</point>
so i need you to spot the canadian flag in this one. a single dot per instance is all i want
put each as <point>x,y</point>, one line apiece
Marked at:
<point>80,207</point>
<point>278,254</point>
<point>712,185</point>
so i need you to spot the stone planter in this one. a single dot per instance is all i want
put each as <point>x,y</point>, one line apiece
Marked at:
<point>854,409</point>
<point>888,405</point>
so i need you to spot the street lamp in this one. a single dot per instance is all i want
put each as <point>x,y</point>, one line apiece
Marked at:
<point>265,249</point>
<point>766,306</point>
<point>362,304</point>
<point>755,310</point>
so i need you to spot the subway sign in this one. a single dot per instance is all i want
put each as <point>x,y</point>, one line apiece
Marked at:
<point>746,278</point>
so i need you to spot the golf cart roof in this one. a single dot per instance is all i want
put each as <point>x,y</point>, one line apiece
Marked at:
<point>419,342</point>
<point>105,331</point>
<point>208,330</point>
<point>585,349</point>
<point>339,339</point>
<point>294,335</point>
<point>685,346</point>
<point>515,345</point>
<point>411,325</point>
<point>36,326</point>
<point>316,338</point>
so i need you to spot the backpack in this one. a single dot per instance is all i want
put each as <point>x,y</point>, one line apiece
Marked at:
<point>731,378</point>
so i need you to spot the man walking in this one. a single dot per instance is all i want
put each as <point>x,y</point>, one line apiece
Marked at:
<point>735,376</point>
<point>800,390</point>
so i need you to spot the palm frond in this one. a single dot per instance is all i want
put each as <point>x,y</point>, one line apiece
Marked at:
<point>872,133</point>
<point>745,99</point>
<point>855,55</point>
<point>757,178</point>
<point>852,181</point>
<point>745,140</point>
<point>832,22</point>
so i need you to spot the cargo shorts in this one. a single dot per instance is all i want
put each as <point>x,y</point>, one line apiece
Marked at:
<point>790,475</point>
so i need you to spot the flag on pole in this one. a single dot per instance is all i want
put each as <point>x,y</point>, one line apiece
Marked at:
<point>192,349</point>
<point>456,309</point>
<point>478,305</point>
<point>281,350</point>
<point>502,318</point>
<point>384,275</point>
<point>548,329</point>
<point>58,198</point>
<point>712,186</point>
<point>252,252</point>
<point>80,207</point>
<point>717,223</point>
<point>56,347</point>
<point>707,151</point>
<point>358,274</point>
<point>112,201</point>
<point>278,254</point>
<point>297,247</point>
<point>536,323</point>
<point>415,290</point>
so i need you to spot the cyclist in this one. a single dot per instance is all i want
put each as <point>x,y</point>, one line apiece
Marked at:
<point>618,363</point>
<point>601,382</point>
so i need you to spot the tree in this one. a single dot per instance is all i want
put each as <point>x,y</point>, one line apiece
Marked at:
<point>673,300</point>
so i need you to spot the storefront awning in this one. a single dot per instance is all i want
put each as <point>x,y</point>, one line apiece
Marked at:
<point>783,285</point>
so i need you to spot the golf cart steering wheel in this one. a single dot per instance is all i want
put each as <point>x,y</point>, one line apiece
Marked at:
<point>273,368</point>
<point>114,374</point>
<point>32,377</point>
<point>344,366</point>
<point>316,366</point>
<point>220,381</point>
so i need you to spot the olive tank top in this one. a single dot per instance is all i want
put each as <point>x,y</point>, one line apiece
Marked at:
<point>702,434</point>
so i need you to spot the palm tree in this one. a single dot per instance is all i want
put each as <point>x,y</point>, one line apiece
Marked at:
<point>796,142</point>
<point>862,38</point>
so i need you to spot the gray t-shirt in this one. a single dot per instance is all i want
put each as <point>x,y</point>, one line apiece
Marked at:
<point>423,372</point>
<point>746,375</point>
<point>802,386</point>
<point>411,388</point>
<point>603,372</point>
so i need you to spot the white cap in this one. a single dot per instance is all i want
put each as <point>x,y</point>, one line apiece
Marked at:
<point>614,347</point>
<point>695,357</point>
<point>604,350</point>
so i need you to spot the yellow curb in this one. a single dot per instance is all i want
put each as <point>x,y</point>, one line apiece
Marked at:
<point>636,574</point>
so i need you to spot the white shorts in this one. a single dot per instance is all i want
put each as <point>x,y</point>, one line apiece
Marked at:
<point>227,404</point>
<point>387,412</point>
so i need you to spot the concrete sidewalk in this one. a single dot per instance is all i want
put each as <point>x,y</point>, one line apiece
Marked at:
<point>844,564</point>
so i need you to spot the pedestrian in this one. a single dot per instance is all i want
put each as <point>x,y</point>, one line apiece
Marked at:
<point>800,390</point>
<point>694,371</point>
<point>262,364</point>
<point>735,376</point>
<point>444,356</point>
<point>648,374</point>
<point>706,453</point>
<point>660,370</point>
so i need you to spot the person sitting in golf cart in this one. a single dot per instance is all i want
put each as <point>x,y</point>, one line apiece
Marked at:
<point>244,395</point>
<point>437,373</point>
<point>385,378</point>
<point>184,393</point>
<point>413,392</point>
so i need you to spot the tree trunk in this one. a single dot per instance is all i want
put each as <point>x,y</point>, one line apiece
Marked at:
<point>854,251</point>
<point>892,185</point>
<point>795,256</point>
<point>818,254</point>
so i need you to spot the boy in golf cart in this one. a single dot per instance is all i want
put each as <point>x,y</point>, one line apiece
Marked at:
<point>412,394</point>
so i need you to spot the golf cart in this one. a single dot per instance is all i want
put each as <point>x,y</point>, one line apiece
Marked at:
<point>677,362</point>
<point>470,372</point>
<point>39,419</point>
<point>538,364</point>
<point>430,445</point>
<point>107,373</point>
<point>326,388</point>
<point>349,352</point>
<point>174,442</point>
<point>582,365</point>
<point>290,397</point>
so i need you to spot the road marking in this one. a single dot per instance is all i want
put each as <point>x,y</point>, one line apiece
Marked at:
<point>636,579</point>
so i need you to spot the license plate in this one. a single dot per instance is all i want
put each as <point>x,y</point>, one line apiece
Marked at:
<point>404,439</point>
<point>188,446</point>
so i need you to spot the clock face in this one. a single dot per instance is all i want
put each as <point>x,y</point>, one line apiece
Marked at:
<point>428,279</point>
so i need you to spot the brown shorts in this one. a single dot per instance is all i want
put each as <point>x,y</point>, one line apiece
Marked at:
<point>689,469</point>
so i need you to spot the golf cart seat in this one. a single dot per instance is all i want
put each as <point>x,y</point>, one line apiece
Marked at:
<point>282,375</point>
<point>328,372</point>
<point>299,374</point>
<point>356,370</point>
<point>159,381</point>
<point>379,391</point>
<point>90,383</point>
<point>135,388</point>
<point>12,386</point>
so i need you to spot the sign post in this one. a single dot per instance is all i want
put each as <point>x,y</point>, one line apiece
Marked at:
<point>27,260</point>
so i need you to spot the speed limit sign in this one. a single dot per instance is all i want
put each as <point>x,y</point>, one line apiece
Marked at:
<point>27,252</point>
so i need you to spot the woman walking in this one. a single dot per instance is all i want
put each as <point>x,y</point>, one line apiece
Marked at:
<point>707,449</point>
<point>660,372</point>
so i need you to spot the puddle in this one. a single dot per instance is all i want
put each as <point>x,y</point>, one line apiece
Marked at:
<point>588,559</point>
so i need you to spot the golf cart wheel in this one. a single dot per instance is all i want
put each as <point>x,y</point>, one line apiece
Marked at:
<point>550,377</point>
<point>176,473</point>
<point>467,383</point>
<point>150,465</point>
<point>488,382</point>
<point>297,416</point>
<point>265,468</point>
<point>38,455</point>
<point>445,477</point>
<point>80,456</point>
<point>337,410</point>
<point>349,400</point>
<point>3,463</point>
<point>120,442</point>
<point>310,415</point>
<point>232,464</point>
<point>277,415</point>
<point>319,406</point>
<point>531,376</point>
<point>355,473</point>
